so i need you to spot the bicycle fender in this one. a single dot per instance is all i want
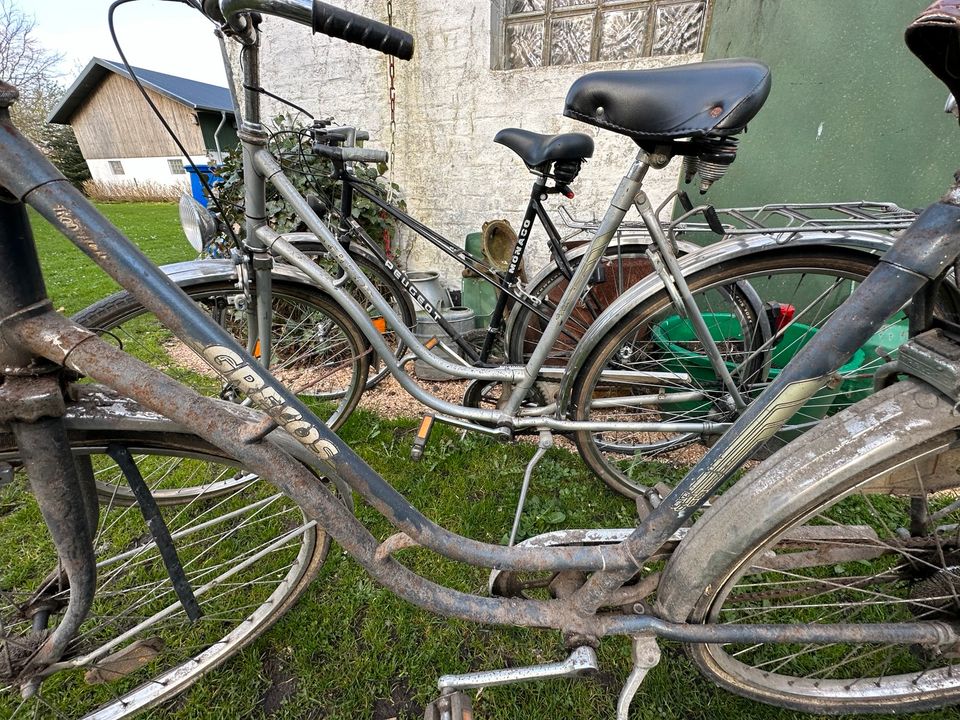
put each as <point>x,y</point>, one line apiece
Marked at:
<point>702,258</point>
<point>834,456</point>
<point>576,253</point>
<point>197,272</point>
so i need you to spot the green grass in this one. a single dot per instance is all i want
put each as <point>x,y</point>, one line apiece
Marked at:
<point>350,649</point>
<point>74,282</point>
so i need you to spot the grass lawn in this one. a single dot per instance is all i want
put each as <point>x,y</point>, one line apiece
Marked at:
<point>349,649</point>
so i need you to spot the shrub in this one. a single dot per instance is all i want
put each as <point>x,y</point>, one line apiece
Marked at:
<point>292,145</point>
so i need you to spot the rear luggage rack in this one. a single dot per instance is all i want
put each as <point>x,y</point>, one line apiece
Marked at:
<point>783,221</point>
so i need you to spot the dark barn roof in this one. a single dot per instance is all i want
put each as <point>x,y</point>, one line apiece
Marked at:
<point>193,94</point>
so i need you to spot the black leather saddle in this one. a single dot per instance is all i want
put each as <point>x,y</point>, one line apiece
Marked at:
<point>536,149</point>
<point>700,100</point>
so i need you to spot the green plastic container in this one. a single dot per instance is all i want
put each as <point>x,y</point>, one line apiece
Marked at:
<point>670,335</point>
<point>859,385</point>
<point>477,294</point>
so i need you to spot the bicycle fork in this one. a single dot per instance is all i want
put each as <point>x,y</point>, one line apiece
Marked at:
<point>32,404</point>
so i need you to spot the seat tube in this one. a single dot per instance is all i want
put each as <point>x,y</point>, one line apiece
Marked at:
<point>496,320</point>
<point>690,304</point>
<point>621,201</point>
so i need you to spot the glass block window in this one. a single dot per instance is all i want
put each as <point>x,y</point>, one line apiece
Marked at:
<point>176,167</point>
<point>565,32</point>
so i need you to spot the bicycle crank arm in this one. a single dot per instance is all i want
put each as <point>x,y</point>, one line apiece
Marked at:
<point>581,661</point>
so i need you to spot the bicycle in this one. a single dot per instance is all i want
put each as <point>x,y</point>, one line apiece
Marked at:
<point>42,353</point>
<point>653,402</point>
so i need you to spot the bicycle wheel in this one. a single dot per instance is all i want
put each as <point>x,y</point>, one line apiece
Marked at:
<point>318,351</point>
<point>857,524</point>
<point>248,554</point>
<point>651,368</point>
<point>621,267</point>
<point>386,285</point>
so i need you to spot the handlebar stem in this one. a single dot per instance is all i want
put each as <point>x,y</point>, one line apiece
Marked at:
<point>299,11</point>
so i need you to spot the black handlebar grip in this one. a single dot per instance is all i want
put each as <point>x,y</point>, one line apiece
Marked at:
<point>359,30</point>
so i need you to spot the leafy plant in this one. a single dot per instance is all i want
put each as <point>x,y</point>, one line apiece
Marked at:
<point>311,174</point>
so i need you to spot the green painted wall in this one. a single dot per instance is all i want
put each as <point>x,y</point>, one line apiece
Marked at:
<point>851,115</point>
<point>209,122</point>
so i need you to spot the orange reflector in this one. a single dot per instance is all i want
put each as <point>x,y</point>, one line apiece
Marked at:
<point>425,427</point>
<point>380,324</point>
<point>256,350</point>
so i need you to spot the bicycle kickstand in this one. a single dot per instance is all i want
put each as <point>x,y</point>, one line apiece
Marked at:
<point>646,655</point>
<point>455,704</point>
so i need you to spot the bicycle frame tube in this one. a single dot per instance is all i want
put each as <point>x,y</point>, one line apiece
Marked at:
<point>31,402</point>
<point>448,248</point>
<point>505,286</point>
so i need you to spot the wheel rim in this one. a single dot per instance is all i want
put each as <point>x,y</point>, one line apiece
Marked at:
<point>656,341</point>
<point>315,353</point>
<point>392,292</point>
<point>246,553</point>
<point>873,556</point>
<point>621,270</point>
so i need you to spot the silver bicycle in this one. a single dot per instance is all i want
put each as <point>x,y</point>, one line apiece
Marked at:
<point>639,353</point>
<point>824,580</point>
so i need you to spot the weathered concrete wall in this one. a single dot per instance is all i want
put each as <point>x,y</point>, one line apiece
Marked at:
<point>450,104</point>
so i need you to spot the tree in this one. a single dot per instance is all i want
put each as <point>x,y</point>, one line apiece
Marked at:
<point>25,63</point>
<point>33,69</point>
<point>64,152</point>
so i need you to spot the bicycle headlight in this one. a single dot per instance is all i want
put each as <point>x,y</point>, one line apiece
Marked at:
<point>198,224</point>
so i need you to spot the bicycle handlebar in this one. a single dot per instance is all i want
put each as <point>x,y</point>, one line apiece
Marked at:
<point>322,18</point>
<point>352,154</point>
<point>357,29</point>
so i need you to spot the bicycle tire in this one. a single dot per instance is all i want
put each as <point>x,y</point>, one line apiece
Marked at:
<point>654,337</point>
<point>318,351</point>
<point>826,545</point>
<point>389,287</point>
<point>623,266</point>
<point>248,556</point>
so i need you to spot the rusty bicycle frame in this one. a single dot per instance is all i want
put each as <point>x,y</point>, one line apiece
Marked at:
<point>40,351</point>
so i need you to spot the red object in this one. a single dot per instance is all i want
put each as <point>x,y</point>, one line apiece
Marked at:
<point>780,314</point>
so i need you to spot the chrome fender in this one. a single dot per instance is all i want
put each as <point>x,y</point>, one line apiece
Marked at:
<point>734,248</point>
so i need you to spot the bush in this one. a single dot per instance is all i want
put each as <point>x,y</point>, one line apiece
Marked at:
<point>64,152</point>
<point>292,146</point>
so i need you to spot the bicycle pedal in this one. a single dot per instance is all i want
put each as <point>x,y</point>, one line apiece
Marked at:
<point>420,441</point>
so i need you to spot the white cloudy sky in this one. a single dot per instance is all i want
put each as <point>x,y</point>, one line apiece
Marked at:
<point>165,36</point>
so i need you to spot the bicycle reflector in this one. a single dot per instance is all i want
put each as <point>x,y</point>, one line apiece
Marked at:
<point>780,315</point>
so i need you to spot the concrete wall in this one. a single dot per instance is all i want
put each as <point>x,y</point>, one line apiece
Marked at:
<point>450,104</point>
<point>851,115</point>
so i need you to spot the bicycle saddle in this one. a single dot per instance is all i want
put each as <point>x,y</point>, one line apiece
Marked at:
<point>699,100</point>
<point>934,37</point>
<point>536,149</point>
